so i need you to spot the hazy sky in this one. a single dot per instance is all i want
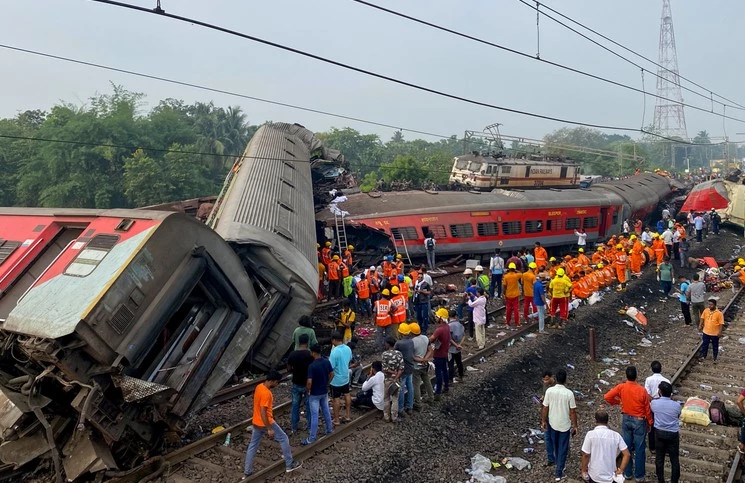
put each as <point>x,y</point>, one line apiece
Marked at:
<point>709,36</point>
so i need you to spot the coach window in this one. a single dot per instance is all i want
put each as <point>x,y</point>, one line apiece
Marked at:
<point>511,228</point>
<point>464,230</point>
<point>533,226</point>
<point>404,232</point>
<point>437,231</point>
<point>553,225</point>
<point>461,164</point>
<point>91,256</point>
<point>572,223</point>
<point>487,229</point>
<point>7,248</point>
<point>615,218</point>
<point>590,222</point>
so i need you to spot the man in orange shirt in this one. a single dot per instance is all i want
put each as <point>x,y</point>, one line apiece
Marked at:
<point>334,275</point>
<point>511,293</point>
<point>712,322</point>
<point>621,261</point>
<point>263,423</point>
<point>636,257</point>
<point>541,256</point>
<point>658,245</point>
<point>636,422</point>
<point>528,279</point>
<point>598,256</point>
<point>326,253</point>
<point>582,259</point>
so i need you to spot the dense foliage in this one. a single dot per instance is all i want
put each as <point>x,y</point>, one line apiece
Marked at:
<point>112,153</point>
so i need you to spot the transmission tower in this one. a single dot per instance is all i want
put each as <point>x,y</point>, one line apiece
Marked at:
<point>669,118</point>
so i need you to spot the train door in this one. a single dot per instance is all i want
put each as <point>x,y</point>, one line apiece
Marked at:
<point>563,173</point>
<point>603,227</point>
<point>505,175</point>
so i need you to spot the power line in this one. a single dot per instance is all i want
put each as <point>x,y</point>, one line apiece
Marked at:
<point>220,91</point>
<point>635,64</point>
<point>378,75</point>
<point>642,56</point>
<point>535,57</point>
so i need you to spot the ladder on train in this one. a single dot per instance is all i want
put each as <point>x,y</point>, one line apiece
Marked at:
<point>398,236</point>
<point>341,232</point>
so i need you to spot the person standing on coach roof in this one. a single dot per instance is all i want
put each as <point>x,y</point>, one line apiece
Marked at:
<point>600,451</point>
<point>666,432</point>
<point>637,420</point>
<point>340,357</point>
<point>559,421</point>
<point>263,423</point>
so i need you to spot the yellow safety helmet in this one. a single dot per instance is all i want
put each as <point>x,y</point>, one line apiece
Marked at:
<point>318,245</point>
<point>328,243</point>
<point>581,250</point>
<point>560,272</point>
<point>552,259</point>
<point>414,328</point>
<point>741,261</point>
<point>404,329</point>
<point>350,247</point>
<point>398,256</point>
<point>601,248</point>
<point>737,267</point>
<point>600,265</point>
<point>533,265</point>
<point>394,290</point>
<point>619,247</point>
<point>512,266</point>
<point>386,292</point>
<point>442,313</point>
<point>335,257</point>
<point>632,237</point>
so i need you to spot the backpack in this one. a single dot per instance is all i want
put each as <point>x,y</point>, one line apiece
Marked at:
<point>430,244</point>
<point>718,413</point>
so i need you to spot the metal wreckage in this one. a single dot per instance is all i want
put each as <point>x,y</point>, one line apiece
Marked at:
<point>118,325</point>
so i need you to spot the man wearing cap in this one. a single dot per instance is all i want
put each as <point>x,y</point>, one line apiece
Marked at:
<point>528,281</point>
<point>658,245</point>
<point>511,285</point>
<point>560,288</point>
<point>399,264</point>
<point>348,255</point>
<point>326,254</point>
<point>334,275</point>
<point>398,307</point>
<point>441,340</point>
<point>582,259</point>
<point>406,347</point>
<point>496,267</point>
<point>597,257</point>
<point>423,351</point>
<point>711,325</point>
<point>483,280</point>
<point>382,311</point>
<point>738,277</point>
<point>621,263</point>
<point>467,273</point>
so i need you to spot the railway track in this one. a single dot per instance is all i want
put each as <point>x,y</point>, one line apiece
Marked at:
<point>709,454</point>
<point>201,454</point>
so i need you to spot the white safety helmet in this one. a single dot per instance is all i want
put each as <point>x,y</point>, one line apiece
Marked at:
<point>479,268</point>
<point>467,271</point>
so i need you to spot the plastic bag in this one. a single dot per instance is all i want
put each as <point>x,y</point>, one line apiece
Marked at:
<point>480,462</point>
<point>696,411</point>
<point>519,463</point>
<point>480,467</point>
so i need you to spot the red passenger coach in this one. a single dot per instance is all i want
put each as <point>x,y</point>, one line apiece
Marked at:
<point>471,223</point>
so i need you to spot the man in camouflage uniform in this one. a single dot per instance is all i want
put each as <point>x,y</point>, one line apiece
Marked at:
<point>393,367</point>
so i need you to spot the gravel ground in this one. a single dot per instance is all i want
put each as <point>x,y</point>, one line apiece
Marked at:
<point>490,411</point>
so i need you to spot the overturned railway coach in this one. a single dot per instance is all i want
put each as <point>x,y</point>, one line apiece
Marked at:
<point>117,325</point>
<point>472,223</point>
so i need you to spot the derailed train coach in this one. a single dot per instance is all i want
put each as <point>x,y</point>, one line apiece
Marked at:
<point>118,325</point>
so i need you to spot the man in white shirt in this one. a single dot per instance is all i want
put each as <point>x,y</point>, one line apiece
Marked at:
<point>600,450</point>
<point>667,238</point>
<point>559,421</point>
<point>372,389</point>
<point>647,236</point>
<point>581,237</point>
<point>652,385</point>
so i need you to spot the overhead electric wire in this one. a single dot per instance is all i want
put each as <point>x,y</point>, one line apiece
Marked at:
<point>220,91</point>
<point>537,58</point>
<point>642,56</point>
<point>376,74</point>
<point>635,64</point>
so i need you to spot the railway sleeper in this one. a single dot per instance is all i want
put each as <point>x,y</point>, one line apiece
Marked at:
<point>684,475</point>
<point>702,436</point>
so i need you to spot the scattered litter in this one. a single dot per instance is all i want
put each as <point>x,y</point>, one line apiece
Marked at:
<point>482,359</point>
<point>528,450</point>
<point>217,429</point>
<point>741,340</point>
<point>227,440</point>
<point>472,369</point>
<point>616,348</point>
<point>500,334</point>
<point>570,366</point>
<point>705,387</point>
<point>518,463</point>
<point>511,343</point>
<point>480,468</point>
<point>607,360</point>
<point>601,381</point>
<point>645,342</point>
<point>632,352</point>
<point>536,400</point>
<point>532,335</point>
<point>629,323</point>
<point>684,452</point>
<point>590,403</point>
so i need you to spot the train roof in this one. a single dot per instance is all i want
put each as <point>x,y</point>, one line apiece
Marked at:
<point>372,205</point>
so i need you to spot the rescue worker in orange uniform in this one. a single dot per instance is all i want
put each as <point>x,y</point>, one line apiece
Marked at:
<point>326,254</point>
<point>398,308</point>
<point>343,267</point>
<point>374,278</point>
<point>636,257</point>
<point>609,272</point>
<point>553,268</point>
<point>403,287</point>
<point>362,288</point>
<point>593,280</point>
<point>511,294</point>
<point>660,250</point>
<point>620,263</point>
<point>650,253</point>
<point>568,265</point>
<point>597,257</point>
<point>334,275</point>
<point>383,321</point>
<point>528,280</point>
<point>541,255</point>
<point>582,259</point>
<point>348,255</point>
<point>321,277</point>
<point>387,266</point>
<point>581,288</point>
<point>399,264</point>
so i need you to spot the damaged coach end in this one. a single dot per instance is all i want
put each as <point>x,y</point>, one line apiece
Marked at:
<point>115,325</point>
